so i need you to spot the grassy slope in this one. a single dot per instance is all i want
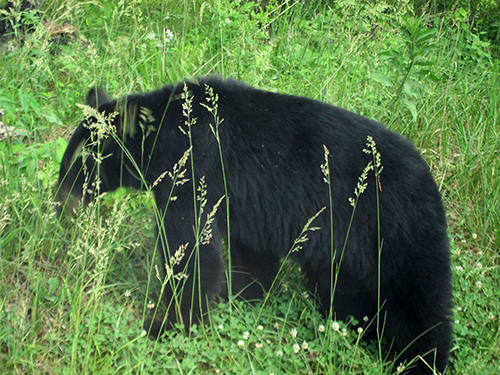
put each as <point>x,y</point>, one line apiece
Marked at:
<point>73,295</point>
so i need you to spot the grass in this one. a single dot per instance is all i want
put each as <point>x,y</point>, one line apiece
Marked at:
<point>74,294</point>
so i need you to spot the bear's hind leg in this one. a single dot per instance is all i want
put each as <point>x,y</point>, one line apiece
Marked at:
<point>418,325</point>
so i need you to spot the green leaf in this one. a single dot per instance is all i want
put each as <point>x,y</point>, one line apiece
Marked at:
<point>53,284</point>
<point>6,103</point>
<point>382,79</point>
<point>388,55</point>
<point>411,106</point>
<point>424,63</point>
<point>424,36</point>
<point>52,119</point>
<point>395,63</point>
<point>28,102</point>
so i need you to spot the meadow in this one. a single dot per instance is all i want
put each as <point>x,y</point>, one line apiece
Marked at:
<point>75,291</point>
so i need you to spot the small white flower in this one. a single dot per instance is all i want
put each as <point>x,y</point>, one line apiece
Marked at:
<point>241,343</point>
<point>296,348</point>
<point>344,332</point>
<point>293,332</point>
<point>258,345</point>
<point>459,268</point>
<point>360,330</point>
<point>365,319</point>
<point>279,353</point>
<point>491,316</point>
<point>169,36</point>
<point>335,326</point>
<point>246,335</point>
<point>260,328</point>
<point>221,327</point>
<point>276,325</point>
<point>474,235</point>
<point>479,266</point>
<point>321,328</point>
<point>479,284</point>
<point>143,333</point>
<point>305,345</point>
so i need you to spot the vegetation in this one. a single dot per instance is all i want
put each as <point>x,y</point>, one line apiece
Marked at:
<point>75,292</point>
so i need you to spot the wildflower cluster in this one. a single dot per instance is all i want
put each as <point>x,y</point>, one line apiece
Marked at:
<point>98,237</point>
<point>187,109</point>
<point>206,232</point>
<point>168,37</point>
<point>172,262</point>
<point>178,172</point>
<point>303,234</point>
<point>374,165</point>
<point>325,168</point>
<point>101,127</point>
<point>212,106</point>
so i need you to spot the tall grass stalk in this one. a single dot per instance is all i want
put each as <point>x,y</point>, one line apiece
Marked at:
<point>212,107</point>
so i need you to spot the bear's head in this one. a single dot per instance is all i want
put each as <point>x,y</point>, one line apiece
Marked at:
<point>100,156</point>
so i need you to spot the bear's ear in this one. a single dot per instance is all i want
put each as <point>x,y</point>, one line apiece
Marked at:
<point>96,97</point>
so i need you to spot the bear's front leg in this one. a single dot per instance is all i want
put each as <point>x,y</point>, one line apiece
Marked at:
<point>193,271</point>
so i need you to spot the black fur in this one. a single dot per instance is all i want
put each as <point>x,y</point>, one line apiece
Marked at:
<point>272,147</point>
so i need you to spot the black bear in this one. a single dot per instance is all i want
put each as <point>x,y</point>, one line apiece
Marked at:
<point>269,164</point>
